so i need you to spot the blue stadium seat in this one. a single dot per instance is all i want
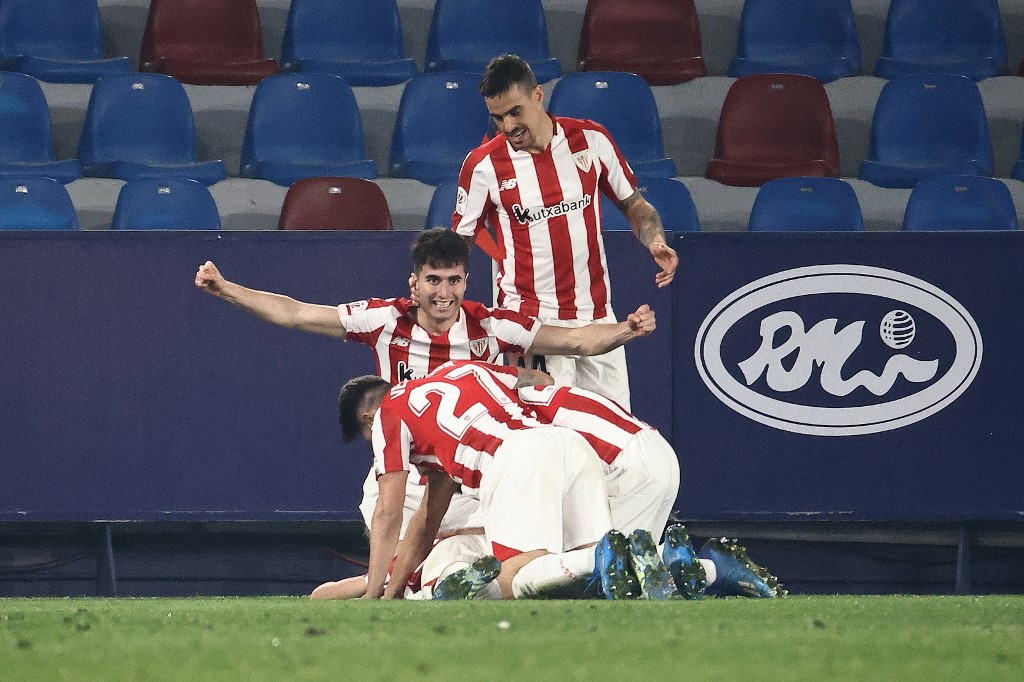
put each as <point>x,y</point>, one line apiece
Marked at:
<point>943,36</point>
<point>304,125</point>
<point>926,125</point>
<point>141,125</point>
<point>624,104</point>
<point>35,203</point>
<point>960,202</point>
<point>1018,168</point>
<point>359,40</point>
<point>671,198</point>
<point>816,38</point>
<point>60,45</point>
<point>808,204</point>
<point>165,204</point>
<point>466,34</point>
<point>26,143</point>
<point>441,118</point>
<point>442,204</point>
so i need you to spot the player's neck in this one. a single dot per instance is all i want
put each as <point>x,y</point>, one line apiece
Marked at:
<point>543,141</point>
<point>431,326</point>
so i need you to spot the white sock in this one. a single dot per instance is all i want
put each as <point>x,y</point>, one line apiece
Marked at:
<point>552,571</point>
<point>709,570</point>
<point>490,591</point>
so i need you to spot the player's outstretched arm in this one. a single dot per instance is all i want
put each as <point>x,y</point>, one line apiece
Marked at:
<point>595,338</point>
<point>274,308</point>
<point>648,229</point>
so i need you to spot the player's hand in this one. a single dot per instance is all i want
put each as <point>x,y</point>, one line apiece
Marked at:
<point>642,322</point>
<point>665,256</point>
<point>208,278</point>
<point>414,292</point>
<point>533,377</point>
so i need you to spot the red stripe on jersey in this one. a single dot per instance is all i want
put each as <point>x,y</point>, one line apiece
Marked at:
<point>595,260</point>
<point>558,233</point>
<point>523,275</point>
<point>399,352</point>
<point>504,553</point>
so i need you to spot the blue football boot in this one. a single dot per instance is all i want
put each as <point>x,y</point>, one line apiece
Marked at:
<point>686,569</point>
<point>466,582</point>
<point>612,564</point>
<point>655,580</point>
<point>737,574</point>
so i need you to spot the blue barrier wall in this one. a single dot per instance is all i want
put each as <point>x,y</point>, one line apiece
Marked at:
<point>125,393</point>
<point>852,376</point>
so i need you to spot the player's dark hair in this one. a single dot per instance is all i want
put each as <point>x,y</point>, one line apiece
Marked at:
<point>352,400</point>
<point>503,73</point>
<point>439,248</point>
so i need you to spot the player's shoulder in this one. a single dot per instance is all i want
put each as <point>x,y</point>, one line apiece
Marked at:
<point>487,147</point>
<point>582,125</point>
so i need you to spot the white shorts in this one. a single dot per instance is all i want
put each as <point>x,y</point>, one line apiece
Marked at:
<point>604,374</point>
<point>643,483</point>
<point>544,490</point>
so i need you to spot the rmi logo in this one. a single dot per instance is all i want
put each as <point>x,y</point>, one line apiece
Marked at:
<point>776,352</point>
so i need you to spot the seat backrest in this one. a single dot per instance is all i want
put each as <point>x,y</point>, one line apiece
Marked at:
<point>933,118</point>
<point>27,133</point>
<point>441,117</point>
<point>35,203</point>
<point>165,204</point>
<point>302,118</point>
<point>944,30</point>
<point>645,37</point>
<point>139,117</point>
<point>479,30</point>
<point>442,204</point>
<point>806,204</point>
<point>335,203</point>
<point>800,31</point>
<point>71,32</point>
<point>342,30</point>
<point>220,31</point>
<point>783,118</point>
<point>960,202</point>
<point>621,102</point>
<point>670,197</point>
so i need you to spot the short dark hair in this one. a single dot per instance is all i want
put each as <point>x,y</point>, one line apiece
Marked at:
<point>505,72</point>
<point>351,401</point>
<point>440,247</point>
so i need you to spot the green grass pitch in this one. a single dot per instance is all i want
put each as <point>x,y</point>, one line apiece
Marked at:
<point>291,638</point>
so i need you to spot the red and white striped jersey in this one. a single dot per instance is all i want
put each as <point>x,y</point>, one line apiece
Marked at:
<point>452,421</point>
<point>606,426</point>
<point>404,350</point>
<point>548,213</point>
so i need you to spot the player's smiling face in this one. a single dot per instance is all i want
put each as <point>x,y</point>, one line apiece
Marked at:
<point>441,292</point>
<point>520,115</point>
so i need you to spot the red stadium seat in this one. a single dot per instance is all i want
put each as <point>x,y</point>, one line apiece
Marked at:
<point>774,126</point>
<point>656,39</point>
<point>206,42</point>
<point>335,203</point>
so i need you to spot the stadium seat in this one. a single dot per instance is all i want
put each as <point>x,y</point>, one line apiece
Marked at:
<point>774,126</point>
<point>304,125</point>
<point>205,42</point>
<point>165,204</point>
<point>359,40</point>
<point>26,143</point>
<point>624,104</point>
<point>669,196</point>
<point>816,38</point>
<point>1018,168</point>
<point>659,40</point>
<point>943,36</point>
<point>807,204</point>
<point>927,125</point>
<point>35,203</point>
<point>339,203</point>
<point>441,118</point>
<point>60,45</point>
<point>466,34</point>
<point>141,125</point>
<point>442,204</point>
<point>960,202</point>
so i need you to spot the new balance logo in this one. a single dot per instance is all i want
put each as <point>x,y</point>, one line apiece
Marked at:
<point>529,215</point>
<point>507,184</point>
<point>400,342</point>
